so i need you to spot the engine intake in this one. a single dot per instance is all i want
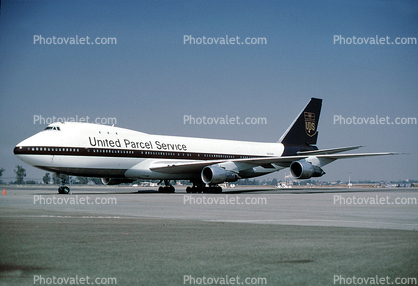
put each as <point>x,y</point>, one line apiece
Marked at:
<point>216,175</point>
<point>304,170</point>
<point>112,181</point>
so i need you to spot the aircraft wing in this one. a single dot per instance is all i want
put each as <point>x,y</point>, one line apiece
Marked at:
<point>197,166</point>
<point>346,156</point>
<point>329,151</point>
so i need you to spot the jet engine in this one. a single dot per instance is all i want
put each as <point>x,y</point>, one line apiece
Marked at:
<point>216,175</point>
<point>112,181</point>
<point>305,170</point>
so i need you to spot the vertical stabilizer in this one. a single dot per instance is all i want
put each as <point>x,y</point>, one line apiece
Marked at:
<point>303,130</point>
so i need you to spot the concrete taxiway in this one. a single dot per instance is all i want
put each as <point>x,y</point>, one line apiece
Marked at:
<point>257,236</point>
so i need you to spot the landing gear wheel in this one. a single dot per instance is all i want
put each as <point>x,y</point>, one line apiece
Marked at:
<point>64,190</point>
<point>198,187</point>
<point>167,188</point>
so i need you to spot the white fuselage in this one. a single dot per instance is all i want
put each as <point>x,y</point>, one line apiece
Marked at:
<point>84,149</point>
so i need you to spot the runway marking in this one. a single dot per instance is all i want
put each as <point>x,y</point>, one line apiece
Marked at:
<point>313,220</point>
<point>208,220</point>
<point>59,216</point>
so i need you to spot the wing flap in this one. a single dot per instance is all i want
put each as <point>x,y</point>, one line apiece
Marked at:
<point>346,156</point>
<point>329,151</point>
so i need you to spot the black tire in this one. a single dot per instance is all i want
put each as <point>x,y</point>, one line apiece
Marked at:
<point>64,190</point>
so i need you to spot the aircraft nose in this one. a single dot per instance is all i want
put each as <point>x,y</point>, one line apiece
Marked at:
<point>17,149</point>
<point>22,146</point>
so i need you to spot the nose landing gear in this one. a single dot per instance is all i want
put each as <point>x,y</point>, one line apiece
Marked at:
<point>63,189</point>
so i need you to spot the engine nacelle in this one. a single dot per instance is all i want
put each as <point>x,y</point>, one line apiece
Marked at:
<point>112,181</point>
<point>216,175</point>
<point>304,170</point>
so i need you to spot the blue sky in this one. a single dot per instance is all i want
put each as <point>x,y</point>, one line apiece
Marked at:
<point>150,79</point>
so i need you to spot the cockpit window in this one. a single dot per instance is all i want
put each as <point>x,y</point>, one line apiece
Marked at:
<point>53,128</point>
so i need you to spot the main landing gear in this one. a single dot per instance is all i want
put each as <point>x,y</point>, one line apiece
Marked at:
<point>200,187</point>
<point>168,188</point>
<point>63,189</point>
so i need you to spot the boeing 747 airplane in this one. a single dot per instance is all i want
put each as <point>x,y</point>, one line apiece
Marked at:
<point>119,155</point>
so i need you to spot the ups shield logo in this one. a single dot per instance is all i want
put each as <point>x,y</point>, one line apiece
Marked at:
<point>310,126</point>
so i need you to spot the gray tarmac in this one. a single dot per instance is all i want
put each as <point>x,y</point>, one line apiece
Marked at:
<point>246,236</point>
